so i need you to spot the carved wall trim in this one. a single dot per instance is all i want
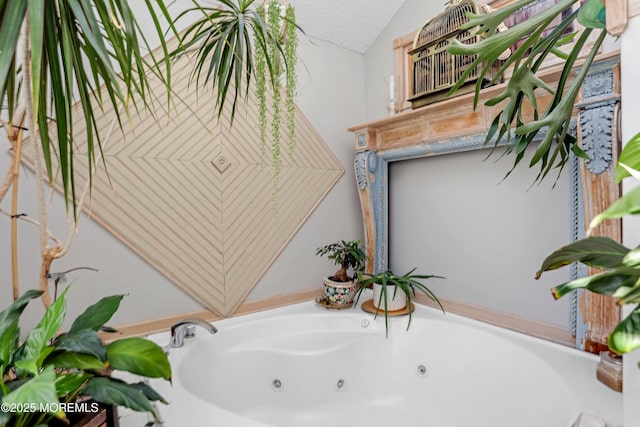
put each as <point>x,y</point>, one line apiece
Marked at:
<point>598,106</point>
<point>360,165</point>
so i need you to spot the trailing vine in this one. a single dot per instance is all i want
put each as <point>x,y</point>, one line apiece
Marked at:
<point>279,57</point>
<point>261,87</point>
<point>274,23</point>
<point>290,49</point>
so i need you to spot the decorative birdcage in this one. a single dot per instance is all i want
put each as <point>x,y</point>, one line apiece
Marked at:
<point>434,70</point>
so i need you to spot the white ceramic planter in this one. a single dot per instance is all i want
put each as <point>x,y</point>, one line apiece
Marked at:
<point>393,304</point>
<point>339,293</point>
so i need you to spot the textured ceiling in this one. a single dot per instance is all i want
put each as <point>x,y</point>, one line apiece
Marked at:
<point>352,24</point>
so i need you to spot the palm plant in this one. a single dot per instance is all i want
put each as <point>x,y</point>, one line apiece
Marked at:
<point>54,52</point>
<point>392,284</point>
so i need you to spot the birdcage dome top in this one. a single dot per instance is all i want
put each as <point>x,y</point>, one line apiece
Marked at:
<point>446,23</point>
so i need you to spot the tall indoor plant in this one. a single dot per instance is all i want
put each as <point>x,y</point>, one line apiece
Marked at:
<point>44,45</point>
<point>55,52</point>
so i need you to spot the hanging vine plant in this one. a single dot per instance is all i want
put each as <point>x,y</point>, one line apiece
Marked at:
<point>280,58</point>
<point>290,52</point>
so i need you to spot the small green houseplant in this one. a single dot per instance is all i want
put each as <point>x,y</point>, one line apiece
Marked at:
<point>50,371</point>
<point>350,256</point>
<point>393,293</point>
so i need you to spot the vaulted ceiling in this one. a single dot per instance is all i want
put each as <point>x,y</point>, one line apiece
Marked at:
<point>352,24</point>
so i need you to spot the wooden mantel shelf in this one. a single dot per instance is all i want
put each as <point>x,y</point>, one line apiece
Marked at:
<point>453,117</point>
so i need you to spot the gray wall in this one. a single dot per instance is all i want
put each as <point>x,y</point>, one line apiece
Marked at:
<point>450,215</point>
<point>378,60</point>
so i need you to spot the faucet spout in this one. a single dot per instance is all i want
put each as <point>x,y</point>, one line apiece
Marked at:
<point>181,330</point>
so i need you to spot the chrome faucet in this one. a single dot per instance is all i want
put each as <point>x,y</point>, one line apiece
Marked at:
<point>185,329</point>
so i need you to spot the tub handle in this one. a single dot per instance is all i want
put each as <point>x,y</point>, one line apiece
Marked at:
<point>180,331</point>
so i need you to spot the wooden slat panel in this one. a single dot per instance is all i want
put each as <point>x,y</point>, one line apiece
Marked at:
<point>194,197</point>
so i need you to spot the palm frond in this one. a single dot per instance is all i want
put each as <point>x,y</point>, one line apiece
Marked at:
<point>80,50</point>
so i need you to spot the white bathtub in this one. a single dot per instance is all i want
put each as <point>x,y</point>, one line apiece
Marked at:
<point>304,366</point>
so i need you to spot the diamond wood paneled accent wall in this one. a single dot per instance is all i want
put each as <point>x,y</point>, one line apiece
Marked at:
<point>194,196</point>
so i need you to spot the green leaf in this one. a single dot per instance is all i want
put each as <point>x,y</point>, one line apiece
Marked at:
<point>149,392</point>
<point>629,295</point>
<point>632,259</point>
<point>31,365</point>
<point>96,315</point>
<point>69,384</point>
<point>612,283</point>
<point>38,338</point>
<point>85,341</point>
<point>13,14</point>
<point>12,313</point>
<point>594,251</point>
<point>139,356</point>
<point>541,36</point>
<point>626,336</point>
<point>8,345</point>
<point>629,158</point>
<point>592,14</point>
<point>629,204</point>
<point>71,360</point>
<point>113,392</point>
<point>36,34</point>
<point>41,389</point>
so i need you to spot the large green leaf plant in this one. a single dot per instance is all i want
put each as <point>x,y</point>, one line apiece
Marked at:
<point>619,265</point>
<point>538,42</point>
<point>49,367</point>
<point>60,58</point>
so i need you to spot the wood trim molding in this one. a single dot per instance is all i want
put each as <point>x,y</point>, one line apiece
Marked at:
<point>598,103</point>
<point>617,16</point>
<point>534,328</point>
<point>537,329</point>
<point>633,8</point>
<point>163,324</point>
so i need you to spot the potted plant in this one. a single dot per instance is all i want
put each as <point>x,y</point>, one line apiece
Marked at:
<point>52,374</point>
<point>340,288</point>
<point>392,294</point>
